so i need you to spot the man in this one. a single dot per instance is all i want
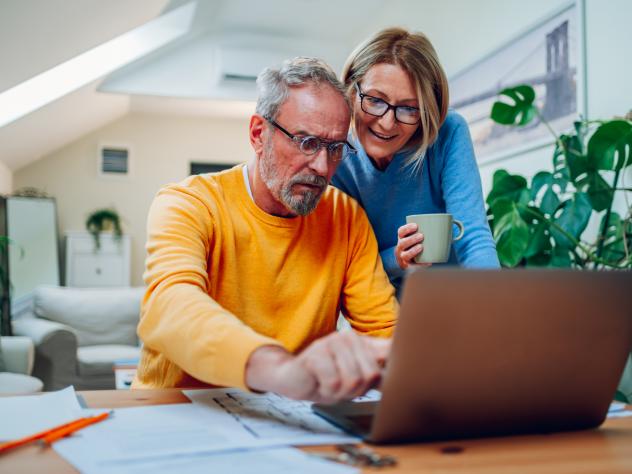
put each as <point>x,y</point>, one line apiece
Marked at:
<point>247,269</point>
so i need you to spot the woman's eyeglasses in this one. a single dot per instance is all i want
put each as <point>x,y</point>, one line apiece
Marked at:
<point>378,108</point>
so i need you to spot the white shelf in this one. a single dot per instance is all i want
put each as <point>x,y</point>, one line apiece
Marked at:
<point>109,266</point>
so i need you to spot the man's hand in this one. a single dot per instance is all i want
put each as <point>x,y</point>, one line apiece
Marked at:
<point>340,366</point>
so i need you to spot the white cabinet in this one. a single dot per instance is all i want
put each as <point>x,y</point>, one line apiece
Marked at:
<point>88,267</point>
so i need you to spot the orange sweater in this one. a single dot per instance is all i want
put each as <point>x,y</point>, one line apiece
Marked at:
<point>224,278</point>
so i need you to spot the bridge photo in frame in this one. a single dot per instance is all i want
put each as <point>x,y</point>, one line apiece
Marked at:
<point>549,57</point>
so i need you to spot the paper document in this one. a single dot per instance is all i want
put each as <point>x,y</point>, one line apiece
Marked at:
<point>26,415</point>
<point>259,461</point>
<point>617,410</point>
<point>162,437</point>
<point>140,433</point>
<point>270,417</point>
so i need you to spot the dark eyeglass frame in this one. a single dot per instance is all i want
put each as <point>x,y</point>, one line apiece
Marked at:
<point>395,108</point>
<point>300,142</point>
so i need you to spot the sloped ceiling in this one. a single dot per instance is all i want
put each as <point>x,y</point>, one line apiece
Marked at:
<point>37,35</point>
<point>181,77</point>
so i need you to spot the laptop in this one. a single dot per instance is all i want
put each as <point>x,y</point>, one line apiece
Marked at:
<point>488,353</point>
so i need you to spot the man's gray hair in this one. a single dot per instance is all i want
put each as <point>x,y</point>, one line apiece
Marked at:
<point>273,85</point>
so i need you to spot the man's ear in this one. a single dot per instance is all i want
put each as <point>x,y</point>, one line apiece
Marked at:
<point>257,132</point>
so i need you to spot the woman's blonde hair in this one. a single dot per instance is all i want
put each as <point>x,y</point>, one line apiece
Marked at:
<point>413,52</point>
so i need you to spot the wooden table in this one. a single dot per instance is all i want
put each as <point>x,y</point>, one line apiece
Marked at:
<point>606,450</point>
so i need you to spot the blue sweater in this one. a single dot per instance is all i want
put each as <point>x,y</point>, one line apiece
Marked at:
<point>447,181</point>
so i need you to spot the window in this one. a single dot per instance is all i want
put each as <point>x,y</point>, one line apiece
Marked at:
<point>202,168</point>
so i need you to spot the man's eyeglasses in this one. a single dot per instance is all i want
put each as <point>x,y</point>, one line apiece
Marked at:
<point>310,145</point>
<point>378,107</point>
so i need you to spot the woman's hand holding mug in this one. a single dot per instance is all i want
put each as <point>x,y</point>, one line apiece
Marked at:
<point>409,245</point>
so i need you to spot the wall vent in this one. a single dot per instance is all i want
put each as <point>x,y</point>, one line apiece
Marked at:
<point>114,161</point>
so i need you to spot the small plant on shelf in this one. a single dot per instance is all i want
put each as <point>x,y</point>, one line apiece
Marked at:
<point>104,220</point>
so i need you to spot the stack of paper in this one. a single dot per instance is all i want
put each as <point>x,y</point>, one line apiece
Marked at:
<point>23,416</point>
<point>222,431</point>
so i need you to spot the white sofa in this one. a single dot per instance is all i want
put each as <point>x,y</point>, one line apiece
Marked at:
<point>16,362</point>
<point>79,333</point>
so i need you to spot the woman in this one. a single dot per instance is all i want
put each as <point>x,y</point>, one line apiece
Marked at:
<point>414,156</point>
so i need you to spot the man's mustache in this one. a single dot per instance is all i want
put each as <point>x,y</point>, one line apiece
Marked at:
<point>310,179</point>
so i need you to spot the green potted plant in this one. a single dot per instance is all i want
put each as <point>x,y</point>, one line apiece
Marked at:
<point>541,223</point>
<point>5,285</point>
<point>104,220</point>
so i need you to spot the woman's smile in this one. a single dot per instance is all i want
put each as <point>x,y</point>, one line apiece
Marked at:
<point>382,136</point>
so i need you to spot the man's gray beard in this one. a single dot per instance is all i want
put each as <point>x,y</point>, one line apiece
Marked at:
<point>301,204</point>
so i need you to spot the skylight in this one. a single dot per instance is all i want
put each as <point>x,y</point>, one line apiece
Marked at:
<point>69,76</point>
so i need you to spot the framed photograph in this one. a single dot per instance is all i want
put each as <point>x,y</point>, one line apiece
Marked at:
<point>548,56</point>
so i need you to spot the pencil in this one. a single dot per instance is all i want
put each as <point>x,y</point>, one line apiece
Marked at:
<point>27,439</point>
<point>71,428</point>
<point>53,434</point>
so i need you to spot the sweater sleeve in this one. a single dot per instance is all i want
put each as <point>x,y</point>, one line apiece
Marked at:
<point>390,263</point>
<point>368,298</point>
<point>179,319</point>
<point>461,183</point>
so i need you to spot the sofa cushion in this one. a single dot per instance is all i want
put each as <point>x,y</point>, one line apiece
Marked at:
<point>99,360</point>
<point>98,315</point>
<point>19,384</point>
<point>625,386</point>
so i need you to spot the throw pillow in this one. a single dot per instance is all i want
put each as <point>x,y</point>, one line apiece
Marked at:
<point>97,315</point>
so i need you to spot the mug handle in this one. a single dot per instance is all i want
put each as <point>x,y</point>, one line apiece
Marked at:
<point>459,224</point>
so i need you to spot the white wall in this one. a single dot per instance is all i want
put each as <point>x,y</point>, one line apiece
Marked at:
<point>609,71</point>
<point>462,30</point>
<point>161,149</point>
<point>609,57</point>
<point>6,179</point>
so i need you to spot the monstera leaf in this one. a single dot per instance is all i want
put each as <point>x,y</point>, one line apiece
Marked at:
<point>610,147</point>
<point>561,257</point>
<point>573,220</point>
<point>538,251</point>
<point>561,173</point>
<point>569,152</point>
<point>614,248</point>
<point>521,112</point>
<point>550,200</point>
<point>512,187</point>
<point>512,235</point>
<point>599,192</point>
